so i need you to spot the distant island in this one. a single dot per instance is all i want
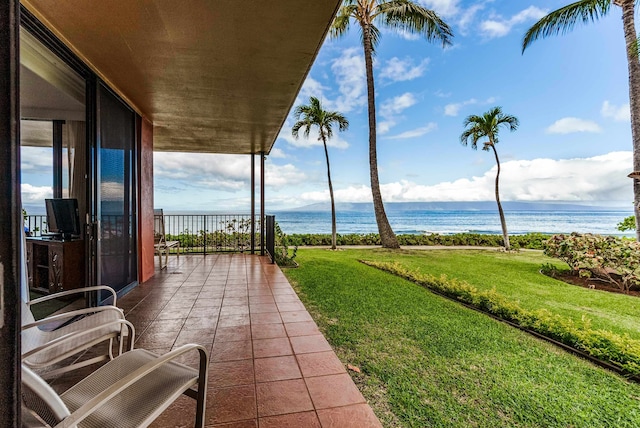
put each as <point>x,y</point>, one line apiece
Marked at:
<point>391,207</point>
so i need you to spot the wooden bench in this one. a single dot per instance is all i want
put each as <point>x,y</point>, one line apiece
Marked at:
<point>161,245</point>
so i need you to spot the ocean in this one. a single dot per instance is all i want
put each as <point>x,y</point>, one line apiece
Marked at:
<point>449,222</point>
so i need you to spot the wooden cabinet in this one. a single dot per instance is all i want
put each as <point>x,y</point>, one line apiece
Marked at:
<point>55,266</point>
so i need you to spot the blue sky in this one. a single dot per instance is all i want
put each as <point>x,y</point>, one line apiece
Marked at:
<point>569,92</point>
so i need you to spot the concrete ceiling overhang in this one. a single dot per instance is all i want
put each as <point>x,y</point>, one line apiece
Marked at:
<point>215,76</point>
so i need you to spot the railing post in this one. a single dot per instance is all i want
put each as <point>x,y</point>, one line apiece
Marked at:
<point>204,222</point>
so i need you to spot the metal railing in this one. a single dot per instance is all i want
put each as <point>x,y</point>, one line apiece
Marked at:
<point>211,233</point>
<point>197,233</point>
<point>270,235</point>
<point>35,225</point>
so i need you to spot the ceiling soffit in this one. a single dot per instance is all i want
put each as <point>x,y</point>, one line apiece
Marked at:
<point>213,76</point>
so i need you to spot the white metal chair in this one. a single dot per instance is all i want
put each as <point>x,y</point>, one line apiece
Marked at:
<point>160,244</point>
<point>130,391</point>
<point>42,348</point>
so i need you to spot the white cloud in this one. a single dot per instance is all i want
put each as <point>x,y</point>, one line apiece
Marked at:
<point>418,132</point>
<point>277,153</point>
<point>391,108</point>
<point>217,172</point>
<point>498,26</point>
<point>349,72</point>
<point>468,16</point>
<point>570,125</point>
<point>33,194</point>
<point>454,108</point>
<point>599,178</point>
<point>36,160</point>
<point>397,69</point>
<point>444,8</point>
<point>618,113</point>
<point>397,105</point>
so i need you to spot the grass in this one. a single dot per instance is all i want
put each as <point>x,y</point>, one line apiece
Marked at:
<point>517,276</point>
<point>427,361</point>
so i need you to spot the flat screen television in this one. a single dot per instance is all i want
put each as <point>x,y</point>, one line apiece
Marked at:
<point>63,218</point>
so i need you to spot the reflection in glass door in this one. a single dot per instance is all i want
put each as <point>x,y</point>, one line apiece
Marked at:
<point>115,190</point>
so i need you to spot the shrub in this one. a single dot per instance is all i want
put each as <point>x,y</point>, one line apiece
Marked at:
<point>621,351</point>
<point>530,240</point>
<point>611,259</point>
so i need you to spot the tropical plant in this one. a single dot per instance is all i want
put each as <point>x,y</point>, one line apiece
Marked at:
<point>629,223</point>
<point>308,116</point>
<point>563,20</point>
<point>400,15</point>
<point>488,125</point>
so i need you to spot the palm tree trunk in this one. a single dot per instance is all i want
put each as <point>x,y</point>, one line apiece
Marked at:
<point>387,236</point>
<point>333,205</point>
<point>503,222</point>
<point>630,37</point>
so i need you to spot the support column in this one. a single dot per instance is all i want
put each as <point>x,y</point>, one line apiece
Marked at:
<point>10,214</point>
<point>262,203</point>
<point>253,203</point>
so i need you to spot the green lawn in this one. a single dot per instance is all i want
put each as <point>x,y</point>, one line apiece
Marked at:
<point>427,361</point>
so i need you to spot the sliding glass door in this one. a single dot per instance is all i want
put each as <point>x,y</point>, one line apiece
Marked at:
<point>115,190</point>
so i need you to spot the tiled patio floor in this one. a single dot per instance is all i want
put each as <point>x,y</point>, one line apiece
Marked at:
<point>269,364</point>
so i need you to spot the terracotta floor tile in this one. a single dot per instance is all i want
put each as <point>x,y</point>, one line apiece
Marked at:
<point>291,307</point>
<point>232,334</point>
<point>286,396</point>
<point>251,423</point>
<point>286,298</point>
<point>261,299</point>
<point>205,302</point>
<point>234,310</point>
<point>229,351</point>
<point>201,337</point>
<point>233,320</point>
<point>260,308</point>
<point>320,364</point>
<point>180,414</point>
<point>304,328</point>
<point>165,326</point>
<point>259,291</point>
<point>200,323</point>
<point>156,340</point>
<point>266,318</point>
<point>230,404</point>
<point>357,416</point>
<point>230,373</point>
<point>296,316</point>
<point>267,331</point>
<point>292,420</point>
<point>242,292</point>
<point>234,301</point>
<point>168,314</point>
<point>271,347</point>
<point>333,391</point>
<point>276,368</point>
<point>306,344</point>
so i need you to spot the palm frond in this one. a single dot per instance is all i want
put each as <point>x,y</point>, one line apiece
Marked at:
<point>564,19</point>
<point>340,24</point>
<point>487,125</point>
<point>405,15</point>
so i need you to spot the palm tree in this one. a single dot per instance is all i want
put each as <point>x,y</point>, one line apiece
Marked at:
<point>564,19</point>
<point>314,115</point>
<point>488,126</point>
<point>401,15</point>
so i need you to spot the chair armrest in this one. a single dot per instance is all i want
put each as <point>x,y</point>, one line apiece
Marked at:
<point>94,403</point>
<point>78,334</point>
<point>74,291</point>
<point>71,314</point>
